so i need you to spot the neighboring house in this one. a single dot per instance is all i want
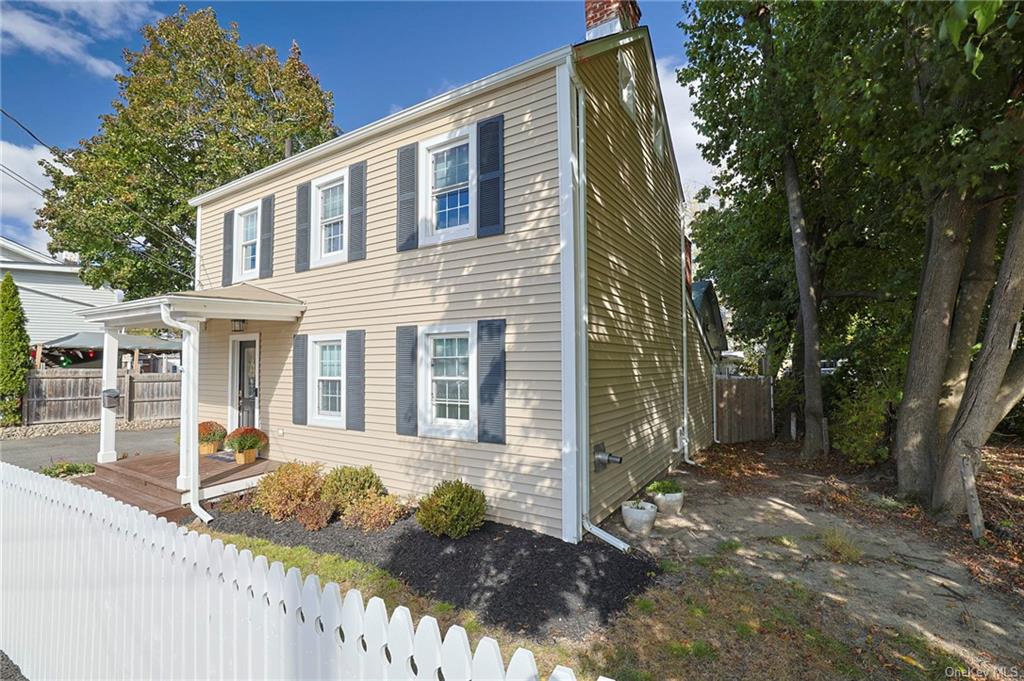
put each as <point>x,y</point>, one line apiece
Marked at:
<point>51,292</point>
<point>486,286</point>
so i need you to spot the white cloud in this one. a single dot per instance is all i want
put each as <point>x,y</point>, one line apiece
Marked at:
<point>65,31</point>
<point>694,171</point>
<point>20,202</point>
<point>35,239</point>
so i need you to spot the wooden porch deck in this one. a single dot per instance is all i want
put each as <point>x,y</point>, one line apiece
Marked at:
<point>148,481</point>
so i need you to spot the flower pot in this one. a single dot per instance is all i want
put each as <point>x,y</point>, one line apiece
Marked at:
<point>210,447</point>
<point>639,516</point>
<point>669,504</point>
<point>246,456</point>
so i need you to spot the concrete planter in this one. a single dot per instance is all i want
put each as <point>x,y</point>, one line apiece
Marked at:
<point>638,516</point>
<point>669,504</point>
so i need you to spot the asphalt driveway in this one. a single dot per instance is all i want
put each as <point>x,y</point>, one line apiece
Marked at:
<point>36,452</point>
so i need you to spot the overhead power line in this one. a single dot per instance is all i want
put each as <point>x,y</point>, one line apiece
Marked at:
<point>59,154</point>
<point>125,239</point>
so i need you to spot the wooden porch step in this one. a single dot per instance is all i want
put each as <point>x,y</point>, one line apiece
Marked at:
<point>130,495</point>
<point>121,475</point>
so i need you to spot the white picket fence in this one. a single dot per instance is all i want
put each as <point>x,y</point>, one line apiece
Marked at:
<point>96,589</point>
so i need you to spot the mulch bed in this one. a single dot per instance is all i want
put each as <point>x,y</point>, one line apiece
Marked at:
<point>527,582</point>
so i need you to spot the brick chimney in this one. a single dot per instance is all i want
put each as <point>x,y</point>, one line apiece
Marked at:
<point>605,17</point>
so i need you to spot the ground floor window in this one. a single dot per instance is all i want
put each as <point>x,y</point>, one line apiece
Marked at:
<point>327,370</point>
<point>447,399</point>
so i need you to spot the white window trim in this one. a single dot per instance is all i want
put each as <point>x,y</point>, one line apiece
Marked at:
<point>313,418</point>
<point>316,257</point>
<point>428,426</point>
<point>238,274</point>
<point>428,234</point>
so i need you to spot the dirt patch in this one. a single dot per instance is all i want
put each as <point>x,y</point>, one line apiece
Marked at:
<point>523,581</point>
<point>884,576</point>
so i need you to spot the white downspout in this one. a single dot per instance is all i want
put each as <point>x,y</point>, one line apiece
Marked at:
<point>584,462</point>
<point>714,402</point>
<point>189,412</point>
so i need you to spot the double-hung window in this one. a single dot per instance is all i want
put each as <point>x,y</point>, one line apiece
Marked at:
<point>326,401</point>
<point>447,168</point>
<point>329,242</point>
<point>627,82</point>
<point>448,392</point>
<point>247,242</point>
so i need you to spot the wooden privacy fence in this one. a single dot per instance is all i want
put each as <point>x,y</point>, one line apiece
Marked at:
<point>66,395</point>
<point>743,408</point>
<point>94,588</point>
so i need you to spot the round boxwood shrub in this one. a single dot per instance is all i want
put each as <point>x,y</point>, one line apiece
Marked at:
<point>292,486</point>
<point>346,485</point>
<point>453,508</point>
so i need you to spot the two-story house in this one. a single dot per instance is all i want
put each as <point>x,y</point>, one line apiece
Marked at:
<point>487,286</point>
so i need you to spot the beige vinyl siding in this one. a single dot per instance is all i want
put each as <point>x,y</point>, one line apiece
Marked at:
<point>634,270</point>
<point>700,375</point>
<point>514,277</point>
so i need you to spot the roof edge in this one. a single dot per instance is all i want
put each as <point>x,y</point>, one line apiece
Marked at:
<point>538,63</point>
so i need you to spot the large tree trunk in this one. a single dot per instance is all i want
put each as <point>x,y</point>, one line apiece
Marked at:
<point>1011,392</point>
<point>813,406</point>
<point>916,439</point>
<point>974,419</point>
<point>979,276</point>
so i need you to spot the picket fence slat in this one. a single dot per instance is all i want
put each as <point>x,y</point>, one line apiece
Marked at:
<point>95,589</point>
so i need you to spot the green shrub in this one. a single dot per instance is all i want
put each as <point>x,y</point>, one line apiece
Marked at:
<point>346,485</point>
<point>315,515</point>
<point>64,469</point>
<point>860,422</point>
<point>374,512</point>
<point>14,357</point>
<point>453,508</point>
<point>664,487</point>
<point>283,492</point>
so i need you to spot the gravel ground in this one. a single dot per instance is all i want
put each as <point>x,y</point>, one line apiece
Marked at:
<point>524,581</point>
<point>8,670</point>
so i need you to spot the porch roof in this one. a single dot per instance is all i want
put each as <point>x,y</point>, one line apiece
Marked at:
<point>239,301</point>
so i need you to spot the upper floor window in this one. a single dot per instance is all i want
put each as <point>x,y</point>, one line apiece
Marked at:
<point>247,240</point>
<point>327,387</point>
<point>627,82</point>
<point>448,186</point>
<point>448,393</point>
<point>330,220</point>
<point>658,132</point>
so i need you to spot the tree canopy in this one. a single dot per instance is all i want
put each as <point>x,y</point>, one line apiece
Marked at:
<point>196,108</point>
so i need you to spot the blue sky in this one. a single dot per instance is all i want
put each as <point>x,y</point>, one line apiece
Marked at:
<point>59,58</point>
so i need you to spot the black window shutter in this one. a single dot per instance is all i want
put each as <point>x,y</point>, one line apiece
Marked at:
<point>490,372</point>
<point>300,367</point>
<point>407,232</point>
<point>302,227</point>
<point>490,135</point>
<point>405,381</point>
<point>357,211</point>
<point>229,248</point>
<point>355,380</point>
<point>267,237</point>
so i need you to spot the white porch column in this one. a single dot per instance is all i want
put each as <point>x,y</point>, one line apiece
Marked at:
<point>108,416</point>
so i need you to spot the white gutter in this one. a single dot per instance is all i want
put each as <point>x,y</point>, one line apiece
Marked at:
<point>526,68</point>
<point>189,412</point>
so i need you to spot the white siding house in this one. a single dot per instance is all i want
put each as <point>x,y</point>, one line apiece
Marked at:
<point>51,292</point>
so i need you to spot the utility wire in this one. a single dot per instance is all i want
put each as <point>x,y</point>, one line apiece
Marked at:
<point>131,241</point>
<point>59,154</point>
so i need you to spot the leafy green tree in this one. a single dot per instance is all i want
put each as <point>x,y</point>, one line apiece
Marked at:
<point>14,357</point>
<point>196,108</point>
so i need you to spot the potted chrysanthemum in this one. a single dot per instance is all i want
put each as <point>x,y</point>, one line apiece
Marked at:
<point>211,437</point>
<point>246,443</point>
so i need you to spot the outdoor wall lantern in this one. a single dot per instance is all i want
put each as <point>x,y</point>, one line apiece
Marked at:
<point>237,325</point>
